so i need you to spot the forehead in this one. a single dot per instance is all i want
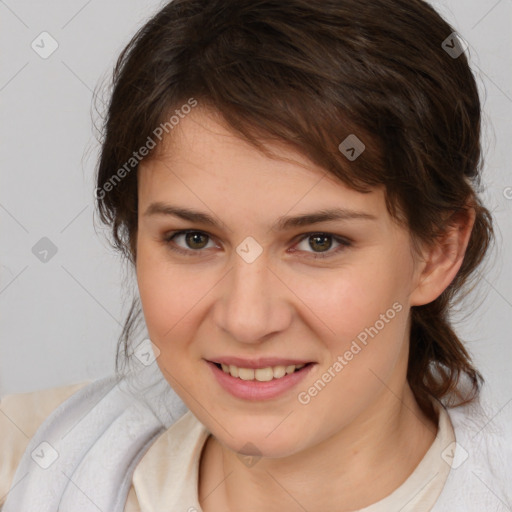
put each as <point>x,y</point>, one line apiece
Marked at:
<point>203,138</point>
<point>202,161</point>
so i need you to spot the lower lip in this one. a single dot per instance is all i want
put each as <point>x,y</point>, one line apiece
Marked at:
<point>255,390</point>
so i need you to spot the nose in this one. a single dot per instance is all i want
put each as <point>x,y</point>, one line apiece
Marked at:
<point>253,303</point>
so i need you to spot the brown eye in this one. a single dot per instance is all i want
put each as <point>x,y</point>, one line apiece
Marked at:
<point>194,242</point>
<point>321,243</point>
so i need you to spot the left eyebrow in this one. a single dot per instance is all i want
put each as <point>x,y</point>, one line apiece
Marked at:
<point>282,224</point>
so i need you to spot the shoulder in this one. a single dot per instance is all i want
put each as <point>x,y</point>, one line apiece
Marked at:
<point>21,414</point>
<point>29,409</point>
<point>487,428</point>
<point>97,433</point>
<point>480,459</point>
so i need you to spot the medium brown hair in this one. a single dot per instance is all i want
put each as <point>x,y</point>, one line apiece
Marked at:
<point>309,73</point>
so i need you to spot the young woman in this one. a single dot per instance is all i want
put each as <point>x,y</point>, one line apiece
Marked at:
<point>294,185</point>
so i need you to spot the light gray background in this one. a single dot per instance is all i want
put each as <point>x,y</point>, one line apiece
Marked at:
<point>60,320</point>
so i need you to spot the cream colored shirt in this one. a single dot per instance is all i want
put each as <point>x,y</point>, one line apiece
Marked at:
<point>166,477</point>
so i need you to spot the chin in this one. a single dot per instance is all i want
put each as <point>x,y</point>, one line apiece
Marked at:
<point>259,439</point>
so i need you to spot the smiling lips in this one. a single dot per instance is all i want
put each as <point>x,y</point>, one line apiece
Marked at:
<point>261,374</point>
<point>263,369</point>
<point>258,379</point>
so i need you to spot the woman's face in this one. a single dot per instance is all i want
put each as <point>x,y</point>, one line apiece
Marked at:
<point>244,288</point>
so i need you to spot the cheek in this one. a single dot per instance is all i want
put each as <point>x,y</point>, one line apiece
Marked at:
<point>354,299</point>
<point>168,296</point>
<point>363,319</point>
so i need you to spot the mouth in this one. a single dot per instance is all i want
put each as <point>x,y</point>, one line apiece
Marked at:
<point>265,374</point>
<point>262,382</point>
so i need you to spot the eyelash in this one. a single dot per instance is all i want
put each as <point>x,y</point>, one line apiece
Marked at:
<point>344,243</point>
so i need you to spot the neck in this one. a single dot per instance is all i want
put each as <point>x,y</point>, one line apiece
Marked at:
<point>382,446</point>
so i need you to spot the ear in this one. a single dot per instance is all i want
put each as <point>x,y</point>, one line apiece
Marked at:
<point>440,262</point>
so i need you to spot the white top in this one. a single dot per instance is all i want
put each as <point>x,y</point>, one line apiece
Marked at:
<point>166,478</point>
<point>473,474</point>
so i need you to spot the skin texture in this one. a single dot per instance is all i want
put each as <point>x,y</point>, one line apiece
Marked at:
<point>365,425</point>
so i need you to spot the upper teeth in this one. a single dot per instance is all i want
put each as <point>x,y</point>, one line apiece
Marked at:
<point>261,374</point>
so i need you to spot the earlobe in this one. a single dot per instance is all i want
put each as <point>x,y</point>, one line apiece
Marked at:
<point>443,259</point>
